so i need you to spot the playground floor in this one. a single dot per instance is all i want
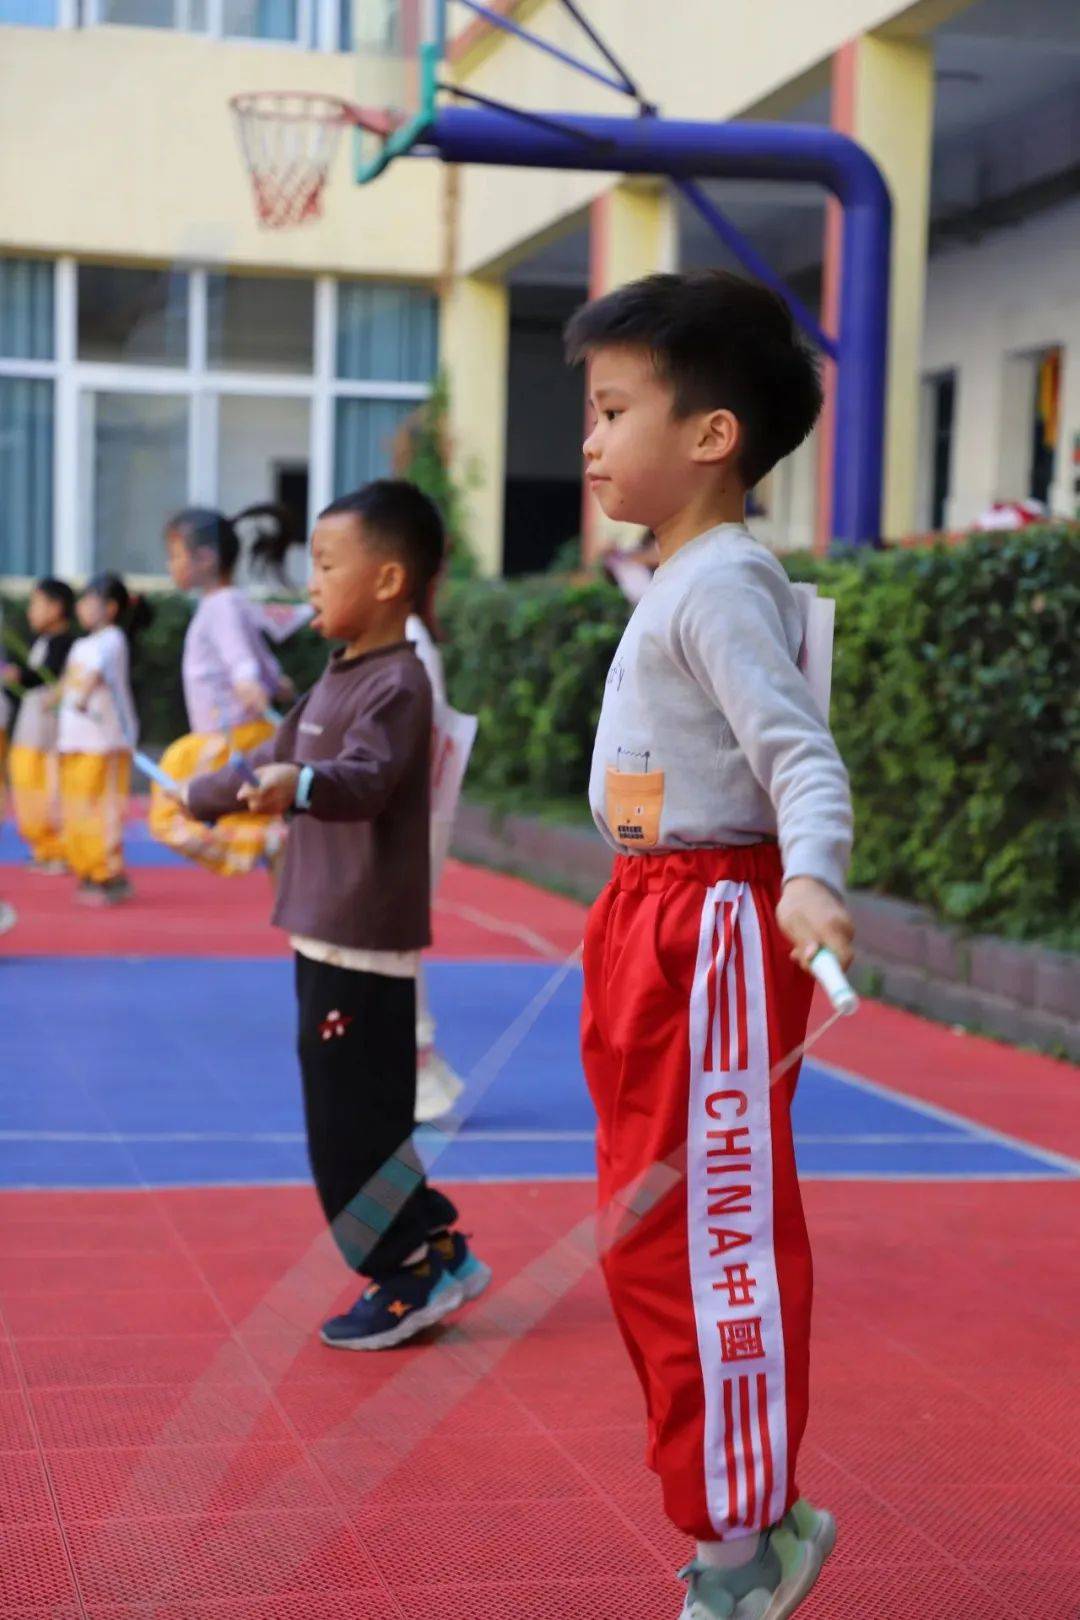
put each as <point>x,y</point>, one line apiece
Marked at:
<point>176,1444</point>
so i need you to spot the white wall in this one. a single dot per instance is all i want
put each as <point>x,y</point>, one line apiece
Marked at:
<point>987,305</point>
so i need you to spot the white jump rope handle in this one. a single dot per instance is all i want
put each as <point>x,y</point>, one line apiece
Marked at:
<point>830,975</point>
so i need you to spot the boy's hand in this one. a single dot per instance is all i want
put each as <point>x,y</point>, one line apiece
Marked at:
<point>276,791</point>
<point>286,692</point>
<point>811,916</point>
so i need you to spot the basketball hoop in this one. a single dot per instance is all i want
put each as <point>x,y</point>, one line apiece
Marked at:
<point>289,139</point>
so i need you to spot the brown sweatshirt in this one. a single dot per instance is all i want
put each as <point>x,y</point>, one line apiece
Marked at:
<point>356,869</point>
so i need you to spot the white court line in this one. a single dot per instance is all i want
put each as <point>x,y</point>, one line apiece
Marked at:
<point>290,1138</point>
<point>988,1178</point>
<point>973,1127</point>
<point>982,1178</point>
<point>496,925</point>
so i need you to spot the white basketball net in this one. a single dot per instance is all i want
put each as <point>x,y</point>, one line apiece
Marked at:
<point>289,139</point>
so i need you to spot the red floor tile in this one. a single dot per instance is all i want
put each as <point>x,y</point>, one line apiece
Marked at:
<point>203,1559</point>
<point>265,1477</point>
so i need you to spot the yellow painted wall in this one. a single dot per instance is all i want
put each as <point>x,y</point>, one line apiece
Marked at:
<point>701,59</point>
<point>475,346</point>
<point>118,142</point>
<point>894,119</point>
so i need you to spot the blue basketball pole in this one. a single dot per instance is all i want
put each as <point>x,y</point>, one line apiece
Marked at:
<point>694,151</point>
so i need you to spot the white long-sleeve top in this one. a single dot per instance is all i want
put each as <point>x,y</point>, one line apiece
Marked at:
<point>109,724</point>
<point>708,733</point>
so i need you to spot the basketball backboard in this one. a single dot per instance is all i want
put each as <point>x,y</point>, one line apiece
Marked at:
<point>399,45</point>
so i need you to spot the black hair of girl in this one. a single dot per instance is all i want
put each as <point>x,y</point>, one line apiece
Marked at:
<point>133,613</point>
<point>275,533</point>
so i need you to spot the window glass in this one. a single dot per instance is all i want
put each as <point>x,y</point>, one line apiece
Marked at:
<point>26,475</point>
<point>136,316</point>
<point>189,15</point>
<point>364,434</point>
<point>260,19</point>
<point>261,323</point>
<point>140,476</point>
<point>386,334</point>
<point>26,309</point>
<point>29,13</point>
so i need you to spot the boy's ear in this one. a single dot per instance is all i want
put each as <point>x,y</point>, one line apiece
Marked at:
<point>719,436</point>
<point>391,581</point>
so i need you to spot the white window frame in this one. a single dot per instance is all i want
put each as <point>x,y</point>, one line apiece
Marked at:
<point>316,23</point>
<point>76,382</point>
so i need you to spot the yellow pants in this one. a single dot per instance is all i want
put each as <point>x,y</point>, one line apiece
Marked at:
<point>233,845</point>
<point>93,792</point>
<point>35,794</point>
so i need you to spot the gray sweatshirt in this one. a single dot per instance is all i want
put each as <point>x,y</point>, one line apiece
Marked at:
<point>708,733</point>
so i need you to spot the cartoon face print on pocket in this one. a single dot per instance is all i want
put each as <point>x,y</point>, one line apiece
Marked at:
<point>634,803</point>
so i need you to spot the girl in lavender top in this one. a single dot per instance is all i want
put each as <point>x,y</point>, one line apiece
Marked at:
<point>229,673</point>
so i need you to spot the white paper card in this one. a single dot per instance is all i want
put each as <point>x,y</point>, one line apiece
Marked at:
<point>816,653</point>
<point>452,742</point>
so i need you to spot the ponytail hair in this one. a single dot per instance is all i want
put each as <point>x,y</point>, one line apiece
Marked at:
<point>275,532</point>
<point>133,612</point>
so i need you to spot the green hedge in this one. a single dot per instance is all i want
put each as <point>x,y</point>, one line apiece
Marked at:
<point>956,704</point>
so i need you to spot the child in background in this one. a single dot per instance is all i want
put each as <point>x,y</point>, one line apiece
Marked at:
<point>437,1086</point>
<point>352,765</point>
<point>230,676</point>
<point>7,712</point>
<point>718,785</point>
<point>34,766</point>
<point>97,732</point>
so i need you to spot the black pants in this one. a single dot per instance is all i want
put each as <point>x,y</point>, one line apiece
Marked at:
<point>357,1043</point>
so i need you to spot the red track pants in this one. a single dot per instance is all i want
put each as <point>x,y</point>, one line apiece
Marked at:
<point>690,999</point>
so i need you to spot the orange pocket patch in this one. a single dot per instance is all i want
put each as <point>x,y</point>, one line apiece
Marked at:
<point>634,802</point>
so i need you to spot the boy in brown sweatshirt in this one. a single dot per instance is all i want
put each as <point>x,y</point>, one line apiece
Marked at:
<point>350,764</point>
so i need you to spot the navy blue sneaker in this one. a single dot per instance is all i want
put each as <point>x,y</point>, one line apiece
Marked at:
<point>459,1260</point>
<point>397,1308</point>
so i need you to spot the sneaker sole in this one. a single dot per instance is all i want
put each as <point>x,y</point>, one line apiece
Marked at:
<point>450,1299</point>
<point>475,1283</point>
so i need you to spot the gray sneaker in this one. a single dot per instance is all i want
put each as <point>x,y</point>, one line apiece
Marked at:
<point>815,1525</point>
<point>771,1586</point>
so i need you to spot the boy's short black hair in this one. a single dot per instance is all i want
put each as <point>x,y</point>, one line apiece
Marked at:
<point>402,519</point>
<point>58,591</point>
<point>721,342</point>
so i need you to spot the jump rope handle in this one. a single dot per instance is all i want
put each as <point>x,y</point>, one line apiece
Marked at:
<point>830,975</point>
<point>240,764</point>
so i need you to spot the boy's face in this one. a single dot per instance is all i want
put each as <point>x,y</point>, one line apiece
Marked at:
<point>643,463</point>
<point>354,586</point>
<point>43,614</point>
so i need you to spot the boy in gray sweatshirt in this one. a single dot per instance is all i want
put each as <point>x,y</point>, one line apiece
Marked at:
<point>719,787</point>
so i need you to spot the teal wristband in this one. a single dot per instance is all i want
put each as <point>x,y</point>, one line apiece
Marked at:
<point>302,797</point>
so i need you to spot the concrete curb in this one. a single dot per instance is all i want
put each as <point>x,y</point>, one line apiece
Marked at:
<point>1026,994</point>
